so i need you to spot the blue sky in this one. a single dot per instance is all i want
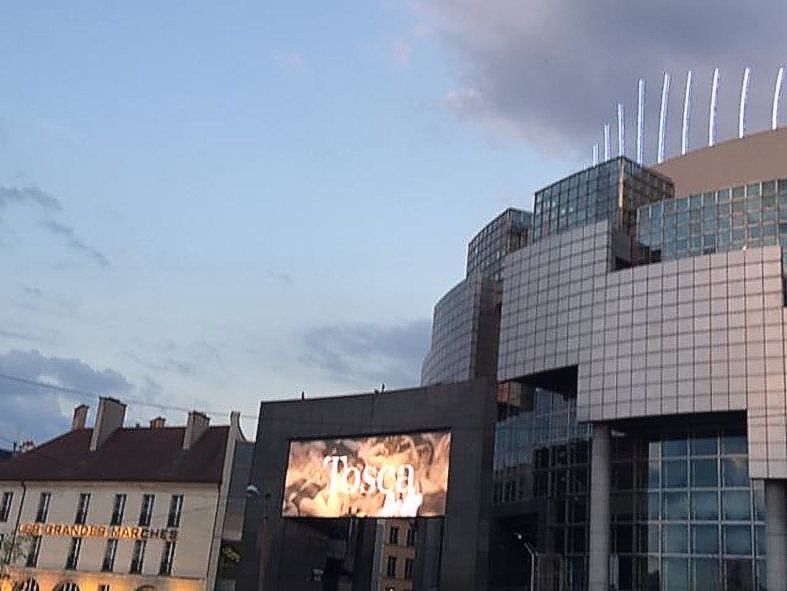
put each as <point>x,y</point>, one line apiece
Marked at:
<point>240,200</point>
<point>208,204</point>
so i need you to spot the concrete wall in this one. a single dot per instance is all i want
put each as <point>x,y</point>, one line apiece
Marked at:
<point>467,409</point>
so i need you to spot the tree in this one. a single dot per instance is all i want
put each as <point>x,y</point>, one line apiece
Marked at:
<point>13,549</point>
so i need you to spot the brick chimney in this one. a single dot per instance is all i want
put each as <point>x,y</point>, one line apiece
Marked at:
<point>158,423</point>
<point>109,418</point>
<point>80,417</point>
<point>196,426</point>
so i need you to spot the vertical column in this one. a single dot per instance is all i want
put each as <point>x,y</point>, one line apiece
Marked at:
<point>776,529</point>
<point>600,483</point>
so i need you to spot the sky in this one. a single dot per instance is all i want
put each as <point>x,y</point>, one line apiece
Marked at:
<point>205,205</point>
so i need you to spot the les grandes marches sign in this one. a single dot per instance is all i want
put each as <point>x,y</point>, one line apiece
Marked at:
<point>97,531</point>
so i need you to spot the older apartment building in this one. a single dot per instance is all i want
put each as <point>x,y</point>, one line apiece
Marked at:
<point>111,508</point>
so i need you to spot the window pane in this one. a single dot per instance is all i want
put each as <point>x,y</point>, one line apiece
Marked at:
<point>734,444</point>
<point>705,505</point>
<point>737,539</point>
<point>737,505</point>
<point>705,539</point>
<point>704,445</point>
<point>674,447</point>
<point>704,473</point>
<point>676,574</point>
<point>675,474</point>
<point>736,471</point>
<point>705,574</point>
<point>737,574</point>
<point>676,539</point>
<point>676,505</point>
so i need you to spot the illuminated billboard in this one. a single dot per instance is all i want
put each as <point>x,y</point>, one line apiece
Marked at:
<point>381,476</point>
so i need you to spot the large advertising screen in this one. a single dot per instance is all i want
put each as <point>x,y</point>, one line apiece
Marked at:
<point>381,476</point>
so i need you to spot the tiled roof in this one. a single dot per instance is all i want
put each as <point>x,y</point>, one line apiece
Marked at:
<point>129,455</point>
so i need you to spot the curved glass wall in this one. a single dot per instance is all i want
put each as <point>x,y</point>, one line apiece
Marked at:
<point>734,218</point>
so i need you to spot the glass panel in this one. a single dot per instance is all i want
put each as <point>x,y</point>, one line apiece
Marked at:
<point>675,474</point>
<point>705,539</point>
<point>676,540</point>
<point>737,574</point>
<point>704,473</point>
<point>704,445</point>
<point>705,576</point>
<point>676,506</point>
<point>674,447</point>
<point>736,471</point>
<point>676,574</point>
<point>705,505</point>
<point>734,443</point>
<point>737,539</point>
<point>737,505</point>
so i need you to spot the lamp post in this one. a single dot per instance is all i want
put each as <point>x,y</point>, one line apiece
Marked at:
<point>532,552</point>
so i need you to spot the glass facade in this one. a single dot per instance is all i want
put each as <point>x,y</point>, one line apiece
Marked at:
<point>610,191</point>
<point>734,218</point>
<point>685,514</point>
<point>508,232</point>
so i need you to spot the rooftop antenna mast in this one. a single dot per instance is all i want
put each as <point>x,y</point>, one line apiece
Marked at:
<point>684,136</point>
<point>777,92</point>
<point>621,131</point>
<point>606,142</point>
<point>640,120</point>
<point>663,117</point>
<point>744,99</point>
<point>595,154</point>
<point>714,97</point>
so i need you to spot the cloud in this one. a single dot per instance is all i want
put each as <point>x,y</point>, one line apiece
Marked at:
<point>29,195</point>
<point>402,52</point>
<point>31,411</point>
<point>75,243</point>
<point>32,195</point>
<point>366,354</point>
<point>551,71</point>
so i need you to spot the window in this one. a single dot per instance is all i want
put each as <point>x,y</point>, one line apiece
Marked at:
<point>175,508</point>
<point>43,507</point>
<point>32,555</point>
<point>408,568</point>
<point>82,509</point>
<point>138,556</point>
<point>167,557</point>
<point>109,556</point>
<point>73,554</point>
<point>118,510</point>
<point>390,567</point>
<point>393,535</point>
<point>411,536</point>
<point>5,505</point>
<point>146,511</point>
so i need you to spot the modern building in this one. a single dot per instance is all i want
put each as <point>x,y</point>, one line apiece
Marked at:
<point>125,509</point>
<point>641,440</point>
<point>327,470</point>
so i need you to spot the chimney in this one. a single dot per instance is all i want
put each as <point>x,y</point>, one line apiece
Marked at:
<point>158,423</point>
<point>80,417</point>
<point>197,425</point>
<point>109,418</point>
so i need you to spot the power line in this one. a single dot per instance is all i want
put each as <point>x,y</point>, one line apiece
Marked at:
<point>94,395</point>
